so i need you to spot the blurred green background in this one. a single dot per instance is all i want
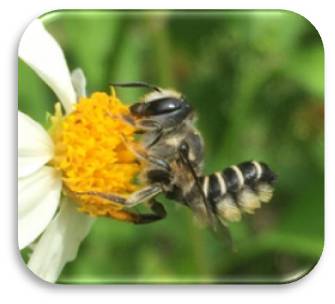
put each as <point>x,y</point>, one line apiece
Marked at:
<point>256,81</point>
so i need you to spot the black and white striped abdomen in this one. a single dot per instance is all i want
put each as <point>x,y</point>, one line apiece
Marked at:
<point>239,188</point>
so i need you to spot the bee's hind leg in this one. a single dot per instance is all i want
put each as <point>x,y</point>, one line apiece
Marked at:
<point>140,218</point>
<point>145,194</point>
<point>158,210</point>
<point>134,199</point>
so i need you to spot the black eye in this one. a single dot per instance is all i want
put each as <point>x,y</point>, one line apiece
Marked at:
<point>162,106</point>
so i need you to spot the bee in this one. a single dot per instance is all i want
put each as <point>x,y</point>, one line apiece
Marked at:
<point>174,153</point>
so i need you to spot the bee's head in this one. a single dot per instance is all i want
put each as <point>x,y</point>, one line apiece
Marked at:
<point>167,107</point>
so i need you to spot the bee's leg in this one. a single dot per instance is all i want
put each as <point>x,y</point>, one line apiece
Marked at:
<point>158,210</point>
<point>157,137</point>
<point>144,194</point>
<point>142,125</point>
<point>150,125</point>
<point>145,125</point>
<point>134,199</point>
<point>141,154</point>
<point>139,218</point>
<point>123,215</point>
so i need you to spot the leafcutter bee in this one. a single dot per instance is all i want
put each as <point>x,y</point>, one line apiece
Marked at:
<point>174,152</point>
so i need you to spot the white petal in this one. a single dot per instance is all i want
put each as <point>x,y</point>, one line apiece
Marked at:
<point>44,55</point>
<point>79,82</point>
<point>38,199</point>
<point>35,147</point>
<point>60,242</point>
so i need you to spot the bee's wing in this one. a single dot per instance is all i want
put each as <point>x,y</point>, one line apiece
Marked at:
<point>218,228</point>
<point>203,210</point>
<point>223,233</point>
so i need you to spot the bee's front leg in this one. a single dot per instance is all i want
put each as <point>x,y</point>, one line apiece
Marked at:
<point>141,154</point>
<point>145,125</point>
<point>142,125</point>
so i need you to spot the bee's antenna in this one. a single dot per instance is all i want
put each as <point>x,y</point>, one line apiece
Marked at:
<point>136,84</point>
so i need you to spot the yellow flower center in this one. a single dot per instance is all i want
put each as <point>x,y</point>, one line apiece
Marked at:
<point>92,154</point>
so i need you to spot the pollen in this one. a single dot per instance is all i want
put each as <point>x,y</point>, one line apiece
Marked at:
<point>91,151</point>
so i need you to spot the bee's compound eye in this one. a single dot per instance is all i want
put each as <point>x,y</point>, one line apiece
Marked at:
<point>162,106</point>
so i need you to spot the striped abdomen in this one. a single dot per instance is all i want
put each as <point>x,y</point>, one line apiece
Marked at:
<point>239,188</point>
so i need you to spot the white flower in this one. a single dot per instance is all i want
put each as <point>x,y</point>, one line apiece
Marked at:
<point>44,216</point>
